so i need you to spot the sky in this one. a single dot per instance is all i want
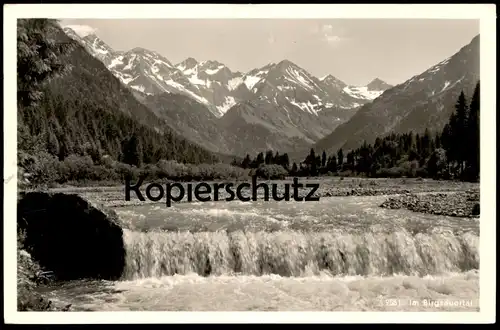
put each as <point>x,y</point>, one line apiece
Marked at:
<point>355,51</point>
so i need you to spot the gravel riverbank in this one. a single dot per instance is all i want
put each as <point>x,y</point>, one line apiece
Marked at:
<point>455,204</point>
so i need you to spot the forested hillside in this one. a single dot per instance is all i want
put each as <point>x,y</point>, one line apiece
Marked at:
<point>86,110</point>
<point>70,105</point>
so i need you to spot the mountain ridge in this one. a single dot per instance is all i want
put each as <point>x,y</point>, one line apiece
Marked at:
<point>230,83</point>
<point>423,101</point>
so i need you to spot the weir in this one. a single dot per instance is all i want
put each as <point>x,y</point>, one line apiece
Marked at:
<point>289,253</point>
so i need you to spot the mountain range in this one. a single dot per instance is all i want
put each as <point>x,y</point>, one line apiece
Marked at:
<point>279,106</point>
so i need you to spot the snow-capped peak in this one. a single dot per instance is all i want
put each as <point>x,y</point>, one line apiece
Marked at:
<point>81,30</point>
<point>333,81</point>
<point>187,64</point>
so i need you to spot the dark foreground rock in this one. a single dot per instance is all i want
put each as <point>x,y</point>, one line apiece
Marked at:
<point>69,236</point>
<point>457,204</point>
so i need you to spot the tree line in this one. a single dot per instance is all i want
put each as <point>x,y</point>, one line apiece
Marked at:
<point>452,153</point>
<point>269,158</point>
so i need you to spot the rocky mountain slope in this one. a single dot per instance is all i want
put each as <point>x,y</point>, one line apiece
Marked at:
<point>424,101</point>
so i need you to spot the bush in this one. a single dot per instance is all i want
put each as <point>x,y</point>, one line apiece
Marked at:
<point>436,164</point>
<point>271,172</point>
<point>409,168</point>
<point>102,173</point>
<point>346,173</point>
<point>393,172</point>
<point>76,168</point>
<point>125,171</point>
<point>41,169</point>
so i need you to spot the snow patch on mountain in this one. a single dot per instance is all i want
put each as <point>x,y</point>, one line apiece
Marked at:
<point>124,77</point>
<point>140,88</point>
<point>295,77</point>
<point>251,81</point>
<point>306,106</point>
<point>446,84</point>
<point>438,66</point>
<point>228,103</point>
<point>130,62</point>
<point>233,83</point>
<point>195,80</point>
<point>214,71</point>
<point>116,61</point>
<point>183,89</point>
<point>362,92</point>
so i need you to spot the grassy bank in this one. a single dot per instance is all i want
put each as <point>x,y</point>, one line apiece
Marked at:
<point>29,276</point>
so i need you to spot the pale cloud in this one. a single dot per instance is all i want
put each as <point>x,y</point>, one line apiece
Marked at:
<point>327,33</point>
<point>270,39</point>
<point>332,38</point>
<point>327,29</point>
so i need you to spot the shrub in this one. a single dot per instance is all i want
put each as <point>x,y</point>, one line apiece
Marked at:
<point>393,172</point>
<point>77,168</point>
<point>436,164</point>
<point>346,173</point>
<point>124,171</point>
<point>409,168</point>
<point>41,169</point>
<point>271,172</point>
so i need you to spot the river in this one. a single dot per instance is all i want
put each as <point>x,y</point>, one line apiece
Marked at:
<point>336,254</point>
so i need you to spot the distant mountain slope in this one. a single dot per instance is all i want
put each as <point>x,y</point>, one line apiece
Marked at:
<point>90,108</point>
<point>424,101</point>
<point>217,135</point>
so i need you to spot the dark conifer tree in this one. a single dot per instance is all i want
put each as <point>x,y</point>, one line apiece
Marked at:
<point>132,151</point>
<point>323,159</point>
<point>246,163</point>
<point>340,158</point>
<point>460,130</point>
<point>473,134</point>
<point>269,157</point>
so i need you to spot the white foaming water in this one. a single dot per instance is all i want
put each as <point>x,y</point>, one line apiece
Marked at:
<point>288,253</point>
<point>450,292</point>
<point>339,254</point>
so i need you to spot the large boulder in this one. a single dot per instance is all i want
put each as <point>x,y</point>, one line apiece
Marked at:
<point>68,235</point>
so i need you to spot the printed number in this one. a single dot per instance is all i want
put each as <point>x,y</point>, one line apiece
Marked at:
<point>391,302</point>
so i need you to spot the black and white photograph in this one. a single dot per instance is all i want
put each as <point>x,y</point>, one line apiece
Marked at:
<point>251,163</point>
